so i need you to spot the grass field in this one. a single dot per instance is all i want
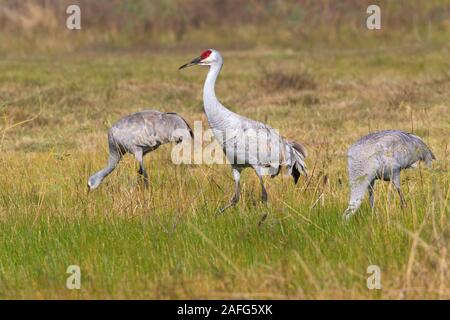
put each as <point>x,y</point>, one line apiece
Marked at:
<point>168,242</point>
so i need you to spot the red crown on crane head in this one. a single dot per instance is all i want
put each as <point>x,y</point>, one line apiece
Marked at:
<point>205,54</point>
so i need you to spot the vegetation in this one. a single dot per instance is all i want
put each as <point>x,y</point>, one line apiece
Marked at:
<point>59,96</point>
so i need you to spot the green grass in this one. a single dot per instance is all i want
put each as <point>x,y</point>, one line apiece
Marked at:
<point>168,242</point>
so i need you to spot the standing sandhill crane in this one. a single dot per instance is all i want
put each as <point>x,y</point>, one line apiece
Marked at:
<point>264,150</point>
<point>382,155</point>
<point>138,134</point>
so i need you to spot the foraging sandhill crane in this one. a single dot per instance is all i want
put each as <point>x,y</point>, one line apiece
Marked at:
<point>138,134</point>
<point>382,155</point>
<point>230,129</point>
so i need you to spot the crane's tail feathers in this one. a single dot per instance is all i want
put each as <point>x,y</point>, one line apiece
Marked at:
<point>297,167</point>
<point>300,148</point>
<point>188,127</point>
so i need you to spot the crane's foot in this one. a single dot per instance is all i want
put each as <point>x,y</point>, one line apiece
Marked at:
<point>232,203</point>
<point>403,204</point>
<point>142,182</point>
<point>142,186</point>
<point>222,210</point>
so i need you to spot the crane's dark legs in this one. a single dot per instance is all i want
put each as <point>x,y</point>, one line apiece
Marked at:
<point>263,189</point>
<point>371,196</point>
<point>142,173</point>
<point>396,182</point>
<point>237,190</point>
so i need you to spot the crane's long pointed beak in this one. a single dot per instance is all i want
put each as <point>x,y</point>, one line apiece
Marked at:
<point>192,63</point>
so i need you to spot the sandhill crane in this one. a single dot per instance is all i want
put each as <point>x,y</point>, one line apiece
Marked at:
<point>138,134</point>
<point>230,129</point>
<point>382,155</point>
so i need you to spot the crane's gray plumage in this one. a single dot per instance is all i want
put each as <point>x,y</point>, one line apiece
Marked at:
<point>382,155</point>
<point>138,134</point>
<point>230,129</point>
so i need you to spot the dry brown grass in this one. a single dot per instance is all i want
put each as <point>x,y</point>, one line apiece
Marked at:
<point>167,242</point>
<point>315,74</point>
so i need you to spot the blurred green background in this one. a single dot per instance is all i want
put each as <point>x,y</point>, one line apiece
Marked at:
<point>39,25</point>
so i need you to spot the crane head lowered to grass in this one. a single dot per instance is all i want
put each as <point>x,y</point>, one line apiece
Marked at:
<point>381,156</point>
<point>246,142</point>
<point>138,134</point>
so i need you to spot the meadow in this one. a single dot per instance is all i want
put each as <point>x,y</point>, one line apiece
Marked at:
<point>168,241</point>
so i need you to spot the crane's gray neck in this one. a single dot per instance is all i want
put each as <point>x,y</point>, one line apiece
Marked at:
<point>97,178</point>
<point>105,171</point>
<point>211,104</point>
